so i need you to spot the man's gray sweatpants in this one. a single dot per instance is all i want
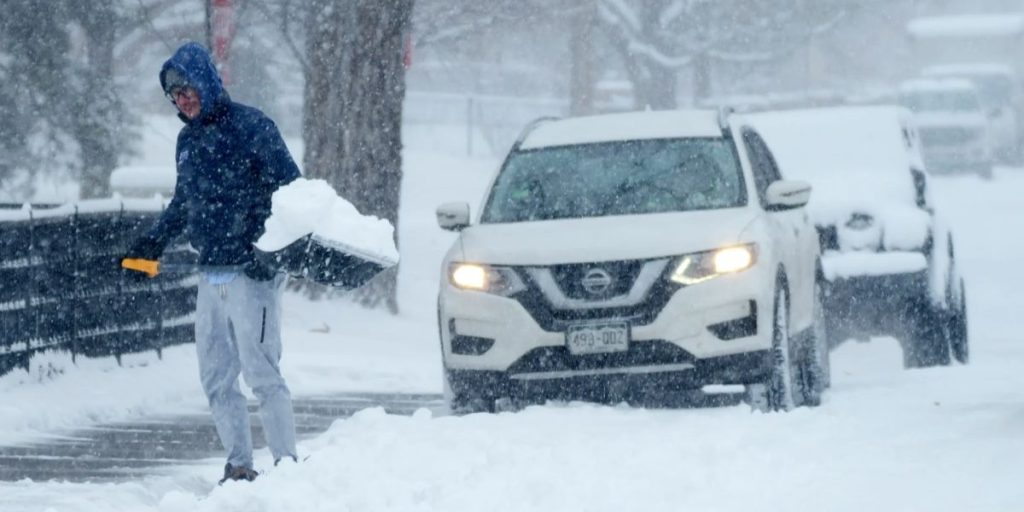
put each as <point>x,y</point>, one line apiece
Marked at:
<point>238,330</point>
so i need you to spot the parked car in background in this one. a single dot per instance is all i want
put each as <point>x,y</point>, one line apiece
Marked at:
<point>1000,95</point>
<point>887,255</point>
<point>954,129</point>
<point>633,252</point>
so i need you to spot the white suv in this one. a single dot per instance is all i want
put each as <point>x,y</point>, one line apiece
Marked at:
<point>639,252</point>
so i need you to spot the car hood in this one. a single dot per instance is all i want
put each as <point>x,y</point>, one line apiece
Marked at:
<point>601,238</point>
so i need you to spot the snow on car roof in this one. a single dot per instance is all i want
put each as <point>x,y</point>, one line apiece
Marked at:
<point>976,25</point>
<point>968,69</point>
<point>852,156</point>
<point>936,85</point>
<point>662,124</point>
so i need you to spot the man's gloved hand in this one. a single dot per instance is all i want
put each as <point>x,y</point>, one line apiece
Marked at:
<point>259,271</point>
<point>134,276</point>
<point>145,248</point>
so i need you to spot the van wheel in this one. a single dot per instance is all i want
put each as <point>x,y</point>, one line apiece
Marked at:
<point>821,338</point>
<point>957,327</point>
<point>925,343</point>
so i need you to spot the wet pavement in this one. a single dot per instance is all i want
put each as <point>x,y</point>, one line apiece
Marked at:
<point>129,450</point>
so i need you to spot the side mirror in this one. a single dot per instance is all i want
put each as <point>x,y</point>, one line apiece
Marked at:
<point>787,195</point>
<point>453,216</point>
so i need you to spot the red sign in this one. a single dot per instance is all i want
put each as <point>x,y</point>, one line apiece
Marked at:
<point>222,28</point>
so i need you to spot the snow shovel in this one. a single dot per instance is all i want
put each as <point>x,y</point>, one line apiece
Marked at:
<point>153,268</point>
<point>326,262</point>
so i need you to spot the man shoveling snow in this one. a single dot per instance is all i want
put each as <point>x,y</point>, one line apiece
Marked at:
<point>230,158</point>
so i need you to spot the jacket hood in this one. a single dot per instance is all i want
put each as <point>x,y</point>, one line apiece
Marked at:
<point>195,63</point>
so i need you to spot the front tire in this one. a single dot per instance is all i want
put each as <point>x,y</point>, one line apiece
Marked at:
<point>462,402</point>
<point>815,363</point>
<point>775,393</point>
<point>925,343</point>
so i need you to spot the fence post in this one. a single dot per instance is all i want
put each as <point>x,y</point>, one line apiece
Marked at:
<point>120,300</point>
<point>75,269</point>
<point>161,336</point>
<point>32,289</point>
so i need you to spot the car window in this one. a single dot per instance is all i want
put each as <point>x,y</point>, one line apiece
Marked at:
<point>762,162</point>
<point>940,101</point>
<point>617,178</point>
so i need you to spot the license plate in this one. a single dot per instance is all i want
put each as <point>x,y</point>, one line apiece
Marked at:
<point>597,338</point>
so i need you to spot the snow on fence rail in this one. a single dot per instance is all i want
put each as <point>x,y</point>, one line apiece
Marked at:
<point>62,288</point>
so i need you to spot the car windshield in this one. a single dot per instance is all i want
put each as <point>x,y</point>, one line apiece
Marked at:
<point>940,101</point>
<point>617,178</point>
<point>994,90</point>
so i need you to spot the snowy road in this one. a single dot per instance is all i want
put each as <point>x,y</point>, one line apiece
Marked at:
<point>132,450</point>
<point>944,439</point>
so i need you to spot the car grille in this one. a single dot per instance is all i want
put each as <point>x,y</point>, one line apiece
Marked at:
<point>571,278</point>
<point>558,296</point>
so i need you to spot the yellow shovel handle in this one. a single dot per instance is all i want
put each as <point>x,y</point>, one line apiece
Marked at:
<point>149,267</point>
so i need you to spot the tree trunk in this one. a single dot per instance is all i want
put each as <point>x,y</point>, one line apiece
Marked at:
<point>581,62</point>
<point>701,77</point>
<point>352,123</point>
<point>98,110</point>
<point>654,85</point>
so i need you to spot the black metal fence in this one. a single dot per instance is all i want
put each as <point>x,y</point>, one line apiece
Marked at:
<point>62,288</point>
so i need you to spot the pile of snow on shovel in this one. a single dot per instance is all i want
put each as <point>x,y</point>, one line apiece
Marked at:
<point>306,207</point>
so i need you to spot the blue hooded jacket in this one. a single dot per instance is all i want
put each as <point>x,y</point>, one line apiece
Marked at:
<point>230,160</point>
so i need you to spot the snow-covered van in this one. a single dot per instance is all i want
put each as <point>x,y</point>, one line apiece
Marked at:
<point>642,252</point>
<point>886,253</point>
<point>954,130</point>
<point>1000,96</point>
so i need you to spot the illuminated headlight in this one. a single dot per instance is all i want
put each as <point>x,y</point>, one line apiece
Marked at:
<point>702,266</point>
<point>485,278</point>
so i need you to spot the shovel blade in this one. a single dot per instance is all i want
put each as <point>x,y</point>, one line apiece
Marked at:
<point>325,264</point>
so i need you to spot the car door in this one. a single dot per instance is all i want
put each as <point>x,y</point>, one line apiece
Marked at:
<point>790,230</point>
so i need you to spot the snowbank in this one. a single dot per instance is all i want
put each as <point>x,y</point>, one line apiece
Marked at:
<point>576,457</point>
<point>311,206</point>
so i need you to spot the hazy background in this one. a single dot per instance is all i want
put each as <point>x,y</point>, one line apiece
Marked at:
<point>484,68</point>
